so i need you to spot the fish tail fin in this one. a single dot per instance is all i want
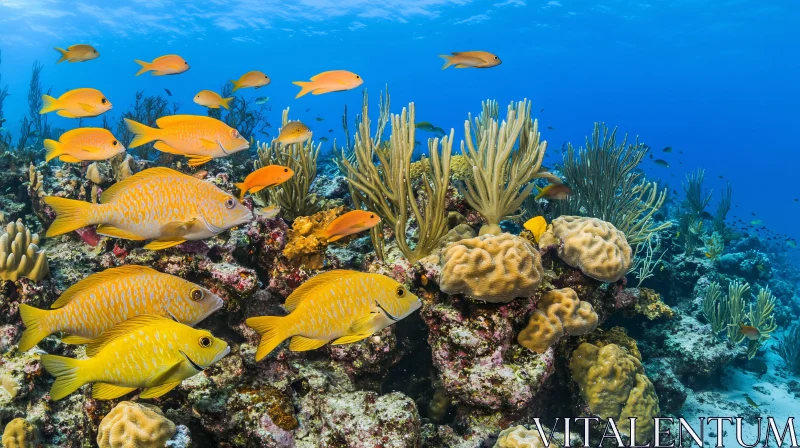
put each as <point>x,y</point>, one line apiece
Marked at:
<point>145,66</point>
<point>64,54</point>
<point>323,234</point>
<point>34,331</point>
<point>226,103</point>
<point>71,215</point>
<point>271,330</point>
<point>143,133</point>
<point>67,373</point>
<point>447,60</point>
<point>54,149</point>
<point>242,186</point>
<point>49,104</point>
<point>305,87</point>
<point>236,85</point>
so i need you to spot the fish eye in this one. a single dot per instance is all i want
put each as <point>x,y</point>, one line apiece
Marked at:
<point>114,143</point>
<point>496,58</point>
<point>234,133</point>
<point>358,77</point>
<point>104,101</point>
<point>286,170</point>
<point>204,342</point>
<point>400,291</point>
<point>371,216</point>
<point>185,62</point>
<point>230,202</point>
<point>197,294</point>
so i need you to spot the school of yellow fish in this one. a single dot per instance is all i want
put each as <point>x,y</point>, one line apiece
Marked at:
<point>137,322</point>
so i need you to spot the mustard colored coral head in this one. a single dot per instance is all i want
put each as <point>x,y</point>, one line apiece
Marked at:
<point>134,425</point>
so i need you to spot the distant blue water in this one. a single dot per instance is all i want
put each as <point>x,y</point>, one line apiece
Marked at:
<point>717,80</point>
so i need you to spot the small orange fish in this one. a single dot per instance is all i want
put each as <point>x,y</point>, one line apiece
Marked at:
<point>83,144</point>
<point>749,332</point>
<point>471,59</point>
<point>294,132</point>
<point>348,224</point>
<point>212,100</point>
<point>78,103</point>
<point>170,64</point>
<point>554,191</point>
<point>268,176</point>
<point>77,53</point>
<point>254,79</point>
<point>331,81</point>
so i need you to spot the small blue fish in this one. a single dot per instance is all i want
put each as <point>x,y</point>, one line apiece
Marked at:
<point>262,100</point>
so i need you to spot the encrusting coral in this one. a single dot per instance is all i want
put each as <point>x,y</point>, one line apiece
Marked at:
<point>20,433</point>
<point>614,385</point>
<point>558,312</point>
<point>492,268</point>
<point>592,245</point>
<point>519,437</point>
<point>303,245</point>
<point>134,425</point>
<point>20,255</point>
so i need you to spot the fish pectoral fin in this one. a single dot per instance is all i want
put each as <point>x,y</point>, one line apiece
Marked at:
<point>462,66</point>
<point>349,339</point>
<point>109,230</point>
<point>157,391</point>
<point>161,377</point>
<point>162,244</point>
<point>178,228</point>
<point>69,158</point>
<point>75,340</point>
<point>209,144</point>
<point>105,391</point>
<point>163,147</point>
<point>302,344</point>
<point>66,114</point>
<point>88,148</point>
<point>198,160</point>
<point>366,325</point>
<point>86,107</point>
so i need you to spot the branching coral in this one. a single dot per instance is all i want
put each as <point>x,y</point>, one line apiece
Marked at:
<point>605,185</point>
<point>137,425</point>
<point>502,175</point>
<point>697,199</point>
<point>714,245</point>
<point>386,186</point>
<point>647,258</point>
<point>20,255</point>
<point>293,195</point>
<point>558,312</point>
<point>789,349</point>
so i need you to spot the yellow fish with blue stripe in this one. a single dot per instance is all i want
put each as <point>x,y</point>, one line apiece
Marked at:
<point>340,306</point>
<point>147,352</point>
<point>100,301</point>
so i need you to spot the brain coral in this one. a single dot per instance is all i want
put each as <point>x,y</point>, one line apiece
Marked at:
<point>20,433</point>
<point>614,385</point>
<point>519,437</point>
<point>134,425</point>
<point>592,245</point>
<point>492,268</point>
<point>20,255</point>
<point>558,312</point>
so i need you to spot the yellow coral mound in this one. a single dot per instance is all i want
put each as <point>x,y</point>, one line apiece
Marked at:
<point>20,433</point>
<point>519,437</point>
<point>20,255</point>
<point>134,425</point>
<point>460,168</point>
<point>492,268</point>
<point>559,312</point>
<point>303,246</point>
<point>614,385</point>
<point>592,245</point>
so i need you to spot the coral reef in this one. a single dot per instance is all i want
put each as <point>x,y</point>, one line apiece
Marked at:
<point>20,255</point>
<point>20,433</point>
<point>520,437</point>
<point>558,312</point>
<point>304,247</point>
<point>138,425</point>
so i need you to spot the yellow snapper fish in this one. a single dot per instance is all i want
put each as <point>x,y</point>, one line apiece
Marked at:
<point>78,103</point>
<point>77,53</point>
<point>294,132</point>
<point>147,352</point>
<point>339,306</point>
<point>212,100</point>
<point>255,79</point>
<point>83,144</point>
<point>536,225</point>
<point>199,138</point>
<point>158,203</point>
<point>170,64</point>
<point>100,301</point>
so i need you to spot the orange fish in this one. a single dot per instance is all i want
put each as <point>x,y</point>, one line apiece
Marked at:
<point>77,53</point>
<point>554,191</point>
<point>348,224</point>
<point>749,332</point>
<point>199,138</point>
<point>294,132</point>
<point>212,100</point>
<point>170,64</point>
<point>470,59</point>
<point>78,103</point>
<point>331,81</point>
<point>268,176</point>
<point>83,144</point>
<point>254,79</point>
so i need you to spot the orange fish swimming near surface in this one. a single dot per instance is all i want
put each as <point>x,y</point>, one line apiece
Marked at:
<point>156,204</point>
<point>331,81</point>
<point>351,222</point>
<point>265,177</point>
<point>83,144</point>
<point>470,59</point>
<point>197,137</point>
<point>170,64</point>
<point>77,53</point>
<point>78,103</point>
<point>255,79</point>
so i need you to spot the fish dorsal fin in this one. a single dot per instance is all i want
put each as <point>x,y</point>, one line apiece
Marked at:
<point>117,188</point>
<point>306,288</point>
<point>320,75</point>
<point>123,328</point>
<point>170,120</point>
<point>100,278</point>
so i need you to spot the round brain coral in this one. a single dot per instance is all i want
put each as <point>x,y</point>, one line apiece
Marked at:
<point>519,437</point>
<point>20,433</point>
<point>492,268</point>
<point>134,425</point>
<point>592,245</point>
<point>558,312</point>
